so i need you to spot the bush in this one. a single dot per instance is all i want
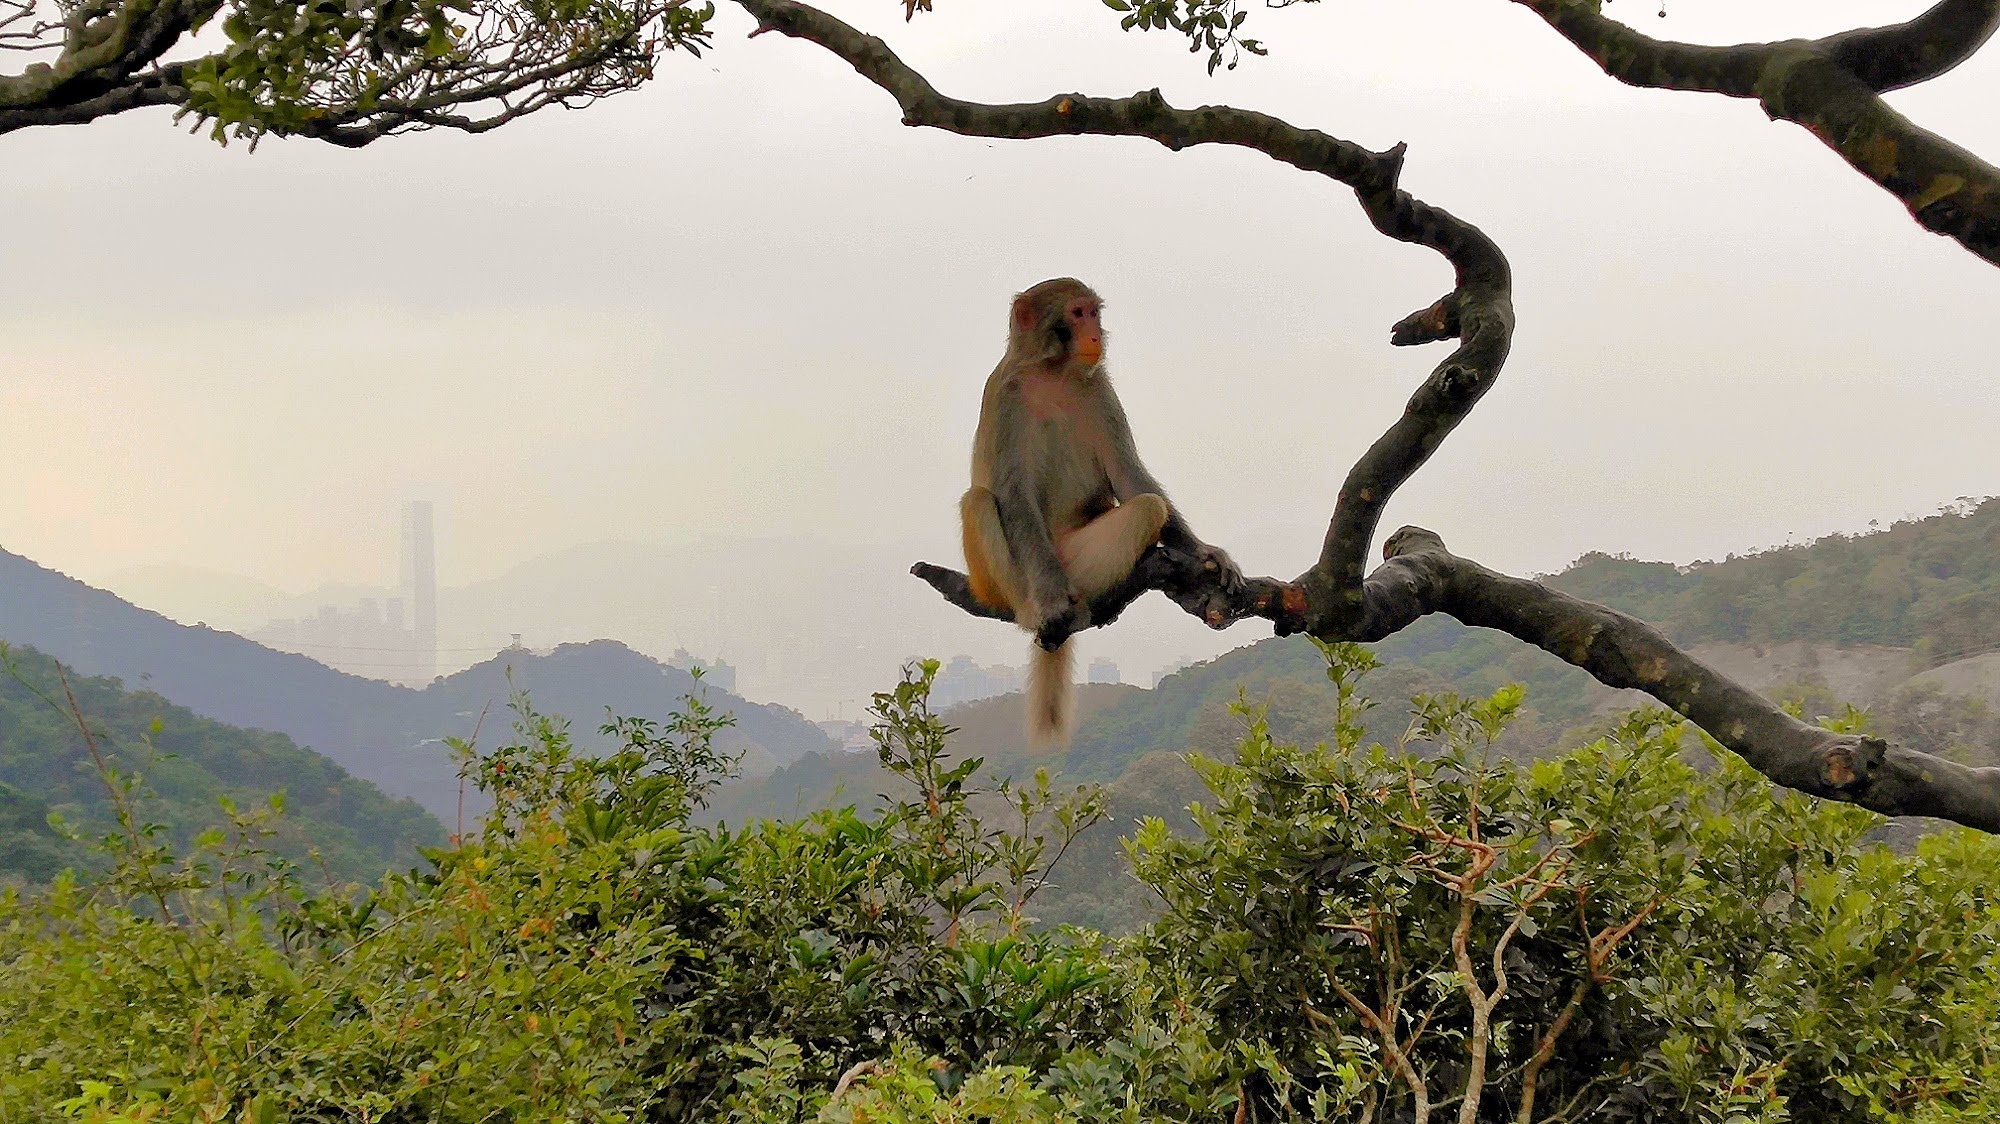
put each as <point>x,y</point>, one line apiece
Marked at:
<point>1350,933</point>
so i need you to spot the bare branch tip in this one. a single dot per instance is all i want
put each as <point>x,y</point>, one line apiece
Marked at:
<point>1390,165</point>
<point>1410,540</point>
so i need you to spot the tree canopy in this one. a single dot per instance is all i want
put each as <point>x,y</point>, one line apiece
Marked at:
<point>344,71</point>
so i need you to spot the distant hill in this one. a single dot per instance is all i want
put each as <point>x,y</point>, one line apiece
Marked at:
<point>381,732</point>
<point>813,623</point>
<point>229,601</point>
<point>187,762</point>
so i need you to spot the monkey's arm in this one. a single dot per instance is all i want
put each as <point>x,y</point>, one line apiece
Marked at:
<point>1129,478</point>
<point>1015,485</point>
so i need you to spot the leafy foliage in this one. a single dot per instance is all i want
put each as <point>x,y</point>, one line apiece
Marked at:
<point>1352,932</point>
<point>1210,25</point>
<point>30,848</point>
<point>348,71</point>
<point>1658,943</point>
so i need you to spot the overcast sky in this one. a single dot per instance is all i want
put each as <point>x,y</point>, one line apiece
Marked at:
<point>746,301</point>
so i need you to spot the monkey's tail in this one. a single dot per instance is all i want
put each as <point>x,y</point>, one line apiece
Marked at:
<point>1049,692</point>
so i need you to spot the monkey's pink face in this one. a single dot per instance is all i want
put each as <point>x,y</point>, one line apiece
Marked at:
<point>1085,333</point>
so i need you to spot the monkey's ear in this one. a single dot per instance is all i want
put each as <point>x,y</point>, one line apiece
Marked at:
<point>1024,313</point>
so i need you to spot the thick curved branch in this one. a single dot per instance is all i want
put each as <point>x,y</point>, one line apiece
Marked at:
<point>1637,59</point>
<point>154,89</point>
<point>1483,312</point>
<point>1478,311</point>
<point>1832,87</point>
<point>1422,577</point>
<point>1904,54</point>
<point>105,64</point>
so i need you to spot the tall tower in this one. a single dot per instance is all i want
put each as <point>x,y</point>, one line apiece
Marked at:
<point>420,588</point>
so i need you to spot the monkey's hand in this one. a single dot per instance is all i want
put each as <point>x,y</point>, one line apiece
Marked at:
<point>1216,561</point>
<point>1213,596</point>
<point>1065,616</point>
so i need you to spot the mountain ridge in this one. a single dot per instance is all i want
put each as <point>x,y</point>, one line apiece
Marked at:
<point>381,732</point>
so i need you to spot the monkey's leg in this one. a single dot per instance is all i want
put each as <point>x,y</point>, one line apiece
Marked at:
<point>995,580</point>
<point>989,565</point>
<point>1100,553</point>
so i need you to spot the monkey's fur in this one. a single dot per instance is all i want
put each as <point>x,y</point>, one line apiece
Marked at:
<point>1060,507</point>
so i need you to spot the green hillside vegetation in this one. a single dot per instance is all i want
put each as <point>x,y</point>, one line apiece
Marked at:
<point>1932,583</point>
<point>188,764</point>
<point>31,850</point>
<point>1680,946</point>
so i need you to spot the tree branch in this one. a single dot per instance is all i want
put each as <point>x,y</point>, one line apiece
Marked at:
<point>157,88</point>
<point>102,52</point>
<point>1904,54</point>
<point>1422,577</point>
<point>1333,600</point>
<point>1832,87</point>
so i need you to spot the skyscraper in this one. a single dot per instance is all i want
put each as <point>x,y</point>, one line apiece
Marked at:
<point>420,587</point>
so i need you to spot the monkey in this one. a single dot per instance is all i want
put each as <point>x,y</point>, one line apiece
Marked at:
<point>1061,508</point>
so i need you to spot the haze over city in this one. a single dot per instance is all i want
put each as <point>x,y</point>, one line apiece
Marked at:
<point>698,369</point>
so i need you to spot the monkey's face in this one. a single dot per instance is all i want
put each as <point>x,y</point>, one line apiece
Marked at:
<point>1057,323</point>
<point>1078,331</point>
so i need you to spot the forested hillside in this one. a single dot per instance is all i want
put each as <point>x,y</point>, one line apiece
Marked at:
<point>186,764</point>
<point>1932,584</point>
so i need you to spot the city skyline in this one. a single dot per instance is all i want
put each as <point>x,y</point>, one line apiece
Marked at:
<point>388,638</point>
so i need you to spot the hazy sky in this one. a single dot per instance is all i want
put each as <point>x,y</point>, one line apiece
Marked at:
<point>746,301</point>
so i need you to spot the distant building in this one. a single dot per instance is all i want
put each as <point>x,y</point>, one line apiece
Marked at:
<point>1102,671</point>
<point>1178,665</point>
<point>962,681</point>
<point>717,672</point>
<point>420,586</point>
<point>392,638</point>
<point>360,641</point>
<point>850,735</point>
